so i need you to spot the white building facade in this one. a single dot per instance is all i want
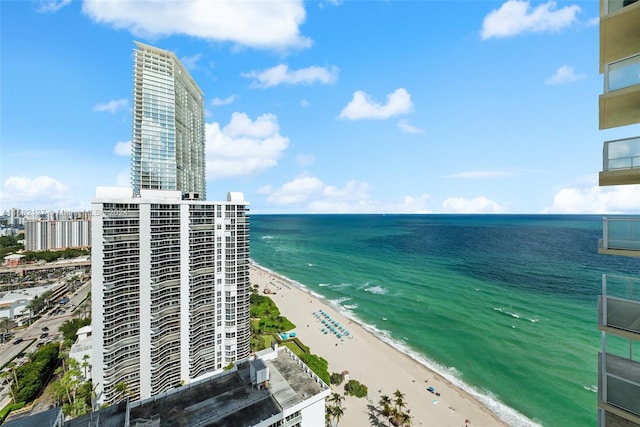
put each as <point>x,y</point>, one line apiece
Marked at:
<point>170,290</point>
<point>49,234</point>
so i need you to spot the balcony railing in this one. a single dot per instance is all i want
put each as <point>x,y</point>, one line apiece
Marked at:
<point>621,154</point>
<point>620,383</point>
<point>621,74</point>
<point>620,234</point>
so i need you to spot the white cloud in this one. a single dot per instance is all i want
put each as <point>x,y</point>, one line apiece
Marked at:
<point>563,75</point>
<point>281,74</point>
<point>479,204</point>
<point>487,174</point>
<point>305,159</point>
<point>407,128</point>
<point>112,106</point>
<point>190,62</point>
<point>122,148</point>
<point>42,192</point>
<point>309,194</point>
<point>296,191</point>
<point>51,6</point>
<point>304,103</point>
<point>243,146</point>
<point>258,24</point>
<point>226,101</point>
<point>516,17</point>
<point>362,106</point>
<point>592,199</point>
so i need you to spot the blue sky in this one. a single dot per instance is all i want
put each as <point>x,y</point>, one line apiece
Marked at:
<point>320,106</point>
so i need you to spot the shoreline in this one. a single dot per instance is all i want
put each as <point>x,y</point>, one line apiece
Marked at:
<point>376,363</point>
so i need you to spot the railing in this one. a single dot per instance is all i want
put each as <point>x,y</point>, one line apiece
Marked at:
<point>622,74</point>
<point>621,154</point>
<point>621,233</point>
<point>623,393</point>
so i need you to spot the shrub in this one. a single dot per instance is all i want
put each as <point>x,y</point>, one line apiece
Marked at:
<point>336,378</point>
<point>354,388</point>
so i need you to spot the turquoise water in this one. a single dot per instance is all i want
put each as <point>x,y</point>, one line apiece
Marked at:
<point>503,305</point>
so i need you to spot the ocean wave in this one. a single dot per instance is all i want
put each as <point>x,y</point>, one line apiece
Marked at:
<point>591,387</point>
<point>340,300</point>
<point>351,306</point>
<point>310,265</point>
<point>505,413</point>
<point>501,310</point>
<point>267,237</point>
<point>516,315</point>
<point>322,285</point>
<point>377,290</point>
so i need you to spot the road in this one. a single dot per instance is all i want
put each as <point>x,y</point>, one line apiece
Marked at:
<point>31,335</point>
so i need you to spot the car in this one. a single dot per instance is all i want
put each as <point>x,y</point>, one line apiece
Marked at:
<point>44,335</point>
<point>18,341</point>
<point>45,329</point>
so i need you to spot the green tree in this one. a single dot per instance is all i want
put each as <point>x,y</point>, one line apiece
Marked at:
<point>385,405</point>
<point>336,399</point>
<point>4,327</point>
<point>336,378</point>
<point>355,388</point>
<point>85,364</point>
<point>122,389</point>
<point>6,375</point>
<point>336,412</point>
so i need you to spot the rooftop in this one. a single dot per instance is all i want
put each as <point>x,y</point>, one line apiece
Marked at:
<point>228,399</point>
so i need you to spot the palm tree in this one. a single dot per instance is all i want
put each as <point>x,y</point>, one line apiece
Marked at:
<point>123,390</point>
<point>31,306</point>
<point>385,403</point>
<point>336,399</point>
<point>406,419</point>
<point>46,298</point>
<point>399,399</point>
<point>13,367</point>
<point>85,364</point>
<point>4,326</point>
<point>397,415</point>
<point>5,375</point>
<point>337,412</point>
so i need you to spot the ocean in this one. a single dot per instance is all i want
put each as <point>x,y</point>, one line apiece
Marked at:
<point>505,306</point>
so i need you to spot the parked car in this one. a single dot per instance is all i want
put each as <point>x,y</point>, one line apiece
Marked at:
<point>18,341</point>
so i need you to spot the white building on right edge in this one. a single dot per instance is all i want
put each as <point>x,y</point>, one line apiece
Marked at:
<point>619,305</point>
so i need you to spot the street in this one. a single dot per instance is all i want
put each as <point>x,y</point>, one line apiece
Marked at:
<point>31,335</point>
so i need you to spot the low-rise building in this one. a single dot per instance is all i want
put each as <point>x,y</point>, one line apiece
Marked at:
<point>272,388</point>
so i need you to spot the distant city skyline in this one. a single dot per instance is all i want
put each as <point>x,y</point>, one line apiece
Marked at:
<point>320,107</point>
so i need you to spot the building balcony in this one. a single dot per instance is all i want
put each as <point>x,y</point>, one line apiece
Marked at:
<point>619,306</point>
<point>619,387</point>
<point>620,236</point>
<point>619,316</point>
<point>621,162</point>
<point>619,30</point>
<point>620,107</point>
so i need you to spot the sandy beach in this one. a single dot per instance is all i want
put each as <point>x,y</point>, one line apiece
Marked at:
<point>379,366</point>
